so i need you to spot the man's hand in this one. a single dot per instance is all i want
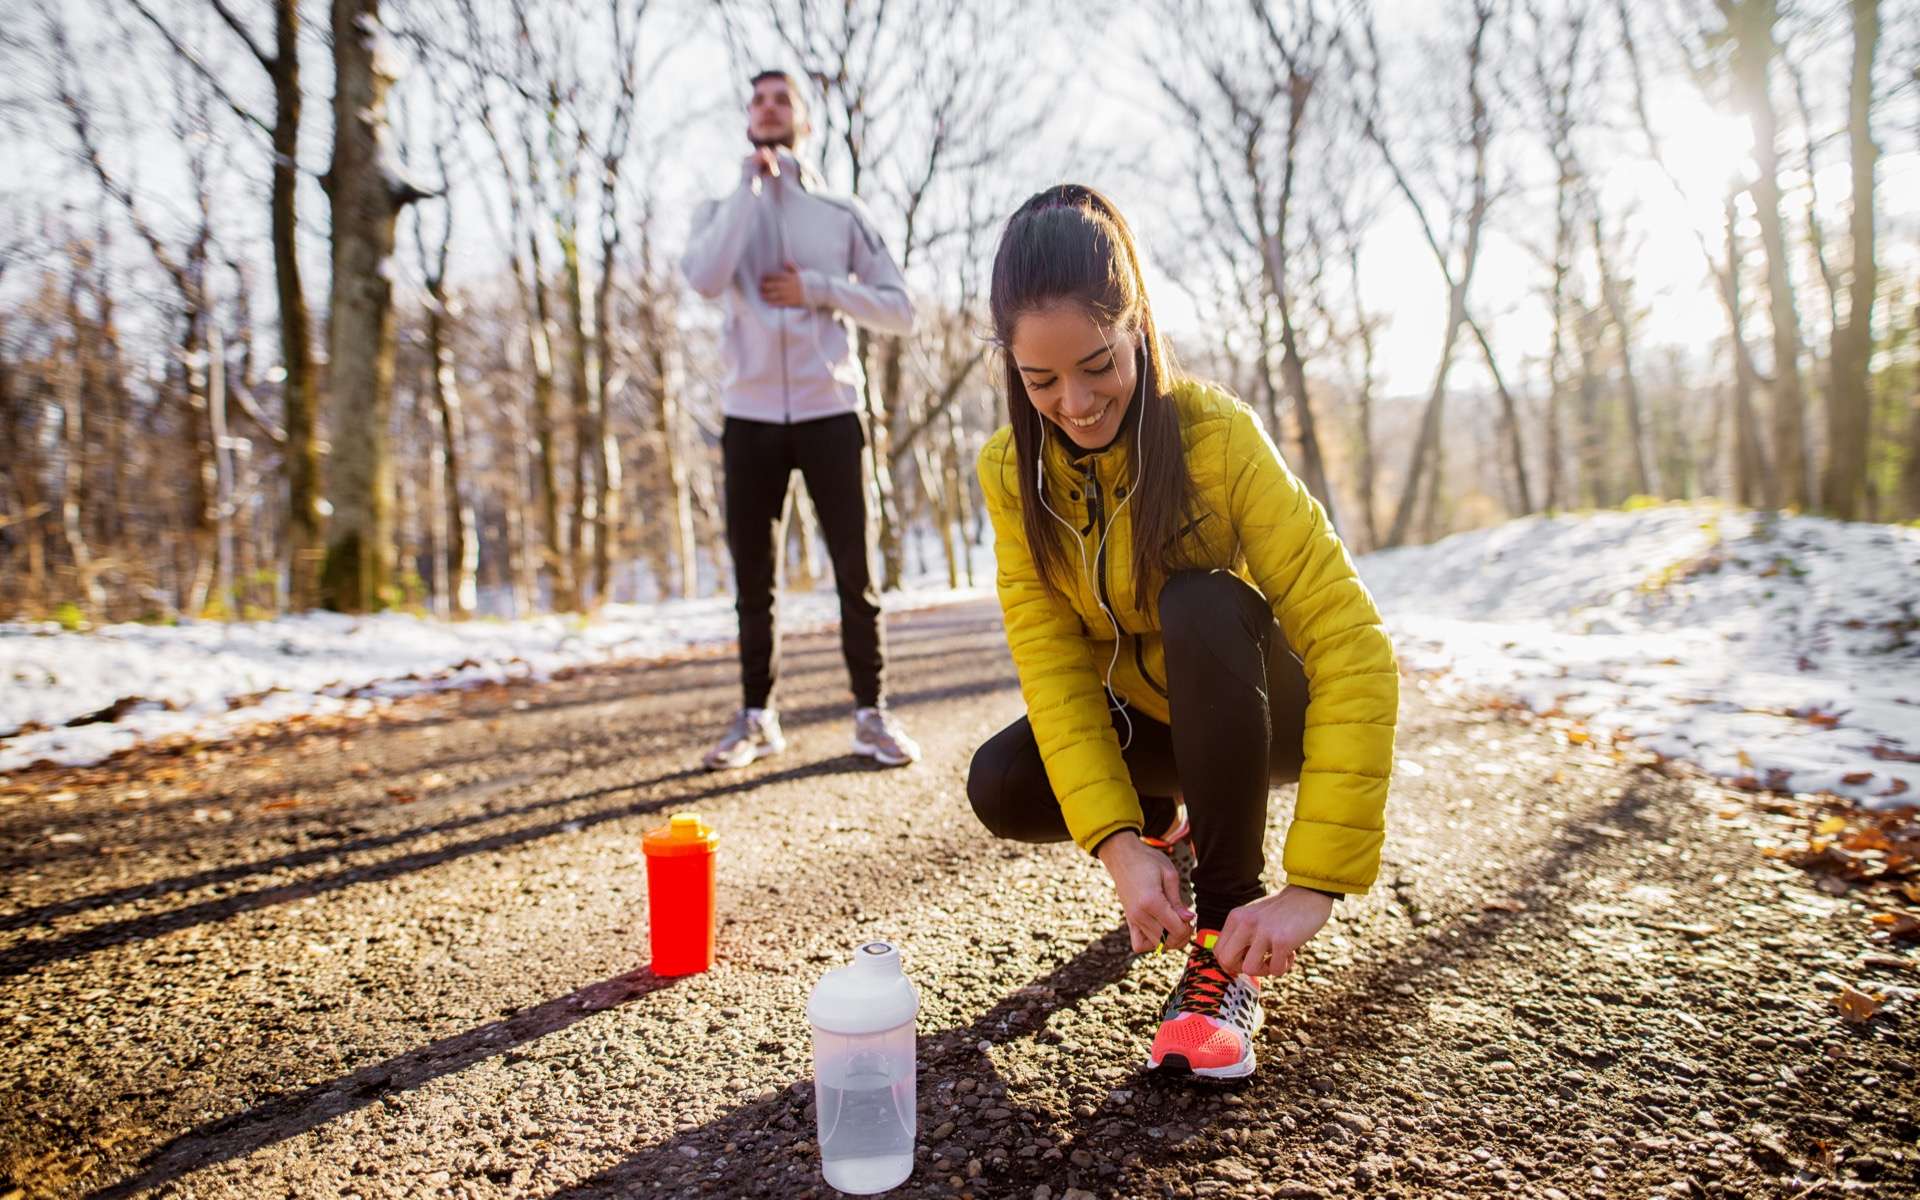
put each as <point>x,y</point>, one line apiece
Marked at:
<point>782,288</point>
<point>763,161</point>
<point>1149,888</point>
<point>1260,938</point>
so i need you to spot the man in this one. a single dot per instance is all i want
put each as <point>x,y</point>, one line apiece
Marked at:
<point>797,268</point>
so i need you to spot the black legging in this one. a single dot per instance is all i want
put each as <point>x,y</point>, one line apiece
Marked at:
<point>1238,708</point>
<point>759,458</point>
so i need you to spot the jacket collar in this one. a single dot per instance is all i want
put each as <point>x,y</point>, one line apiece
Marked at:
<point>1112,465</point>
<point>800,171</point>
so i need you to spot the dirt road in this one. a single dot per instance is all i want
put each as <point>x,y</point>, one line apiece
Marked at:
<point>408,959</point>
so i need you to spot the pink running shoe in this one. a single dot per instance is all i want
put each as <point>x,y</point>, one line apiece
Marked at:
<point>1208,1025</point>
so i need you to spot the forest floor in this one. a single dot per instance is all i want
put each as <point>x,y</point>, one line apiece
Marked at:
<point>405,955</point>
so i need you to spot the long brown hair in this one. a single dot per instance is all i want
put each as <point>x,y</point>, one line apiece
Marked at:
<point>1069,244</point>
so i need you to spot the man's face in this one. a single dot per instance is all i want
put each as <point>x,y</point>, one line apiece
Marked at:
<point>773,117</point>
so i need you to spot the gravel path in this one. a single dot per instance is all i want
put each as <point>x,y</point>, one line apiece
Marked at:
<point>407,959</point>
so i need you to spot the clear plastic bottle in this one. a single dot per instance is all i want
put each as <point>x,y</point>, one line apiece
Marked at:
<point>864,1070</point>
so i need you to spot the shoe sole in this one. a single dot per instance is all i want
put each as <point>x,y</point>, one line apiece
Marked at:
<point>869,750</point>
<point>1177,1064</point>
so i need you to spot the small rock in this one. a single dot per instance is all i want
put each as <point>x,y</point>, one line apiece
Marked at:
<point>1042,1192</point>
<point>1081,1159</point>
<point>942,1131</point>
<point>1357,1122</point>
<point>997,1114</point>
<point>1298,1191</point>
<point>688,1151</point>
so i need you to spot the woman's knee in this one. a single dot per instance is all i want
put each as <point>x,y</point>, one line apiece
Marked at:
<point>987,788</point>
<point>1200,601</point>
<point>1007,786</point>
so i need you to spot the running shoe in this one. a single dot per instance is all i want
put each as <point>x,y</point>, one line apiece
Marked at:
<point>878,735</point>
<point>753,734</point>
<point>1208,1025</point>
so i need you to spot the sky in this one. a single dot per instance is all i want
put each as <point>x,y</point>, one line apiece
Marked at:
<point>1110,132</point>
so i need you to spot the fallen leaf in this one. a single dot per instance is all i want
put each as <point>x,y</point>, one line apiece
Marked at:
<point>1856,777</point>
<point>1577,736</point>
<point>1898,926</point>
<point>1857,1006</point>
<point>1746,760</point>
<point>1505,905</point>
<point>400,795</point>
<point>277,805</point>
<point>1830,825</point>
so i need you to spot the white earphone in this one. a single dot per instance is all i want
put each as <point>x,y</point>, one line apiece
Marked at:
<point>1040,491</point>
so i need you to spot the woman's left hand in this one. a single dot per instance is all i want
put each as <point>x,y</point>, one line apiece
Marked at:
<point>1260,938</point>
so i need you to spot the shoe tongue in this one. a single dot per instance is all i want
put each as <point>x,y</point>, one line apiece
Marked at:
<point>1205,939</point>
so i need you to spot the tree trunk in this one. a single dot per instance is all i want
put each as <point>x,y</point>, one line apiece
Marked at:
<point>673,460</point>
<point>1425,446</point>
<point>1645,481</point>
<point>306,545</point>
<point>1594,485</point>
<point>366,201</point>
<point>1910,472</point>
<point>1753,23</point>
<point>1294,371</point>
<point>880,429</point>
<point>1363,404</point>
<point>1750,474</point>
<point>1849,406</point>
<point>461,550</point>
<point>609,523</point>
<point>583,380</point>
<point>553,549</point>
<point>1509,421</point>
<point>72,393</point>
<point>220,446</point>
<point>1557,352</point>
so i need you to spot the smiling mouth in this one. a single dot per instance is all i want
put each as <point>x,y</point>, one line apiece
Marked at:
<point>1090,422</point>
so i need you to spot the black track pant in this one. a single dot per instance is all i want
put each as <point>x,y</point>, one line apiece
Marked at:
<point>1238,705</point>
<point>759,457</point>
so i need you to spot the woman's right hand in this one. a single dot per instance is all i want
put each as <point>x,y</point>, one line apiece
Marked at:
<point>1149,888</point>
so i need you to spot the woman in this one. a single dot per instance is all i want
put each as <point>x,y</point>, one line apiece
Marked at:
<point>1186,625</point>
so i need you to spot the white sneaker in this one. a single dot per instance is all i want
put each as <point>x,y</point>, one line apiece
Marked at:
<point>754,734</point>
<point>878,735</point>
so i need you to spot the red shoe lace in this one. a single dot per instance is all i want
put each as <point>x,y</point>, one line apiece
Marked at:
<point>1203,985</point>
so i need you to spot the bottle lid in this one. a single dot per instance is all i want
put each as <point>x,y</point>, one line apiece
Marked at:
<point>686,833</point>
<point>871,994</point>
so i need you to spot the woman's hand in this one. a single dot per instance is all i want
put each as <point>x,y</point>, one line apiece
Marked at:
<point>1260,938</point>
<point>1149,889</point>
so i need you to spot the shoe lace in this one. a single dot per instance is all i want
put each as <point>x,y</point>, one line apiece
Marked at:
<point>1203,985</point>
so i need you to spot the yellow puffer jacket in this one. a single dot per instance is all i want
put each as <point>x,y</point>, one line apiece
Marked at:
<point>1256,519</point>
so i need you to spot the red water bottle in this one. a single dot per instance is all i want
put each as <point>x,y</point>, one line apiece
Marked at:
<point>680,900</point>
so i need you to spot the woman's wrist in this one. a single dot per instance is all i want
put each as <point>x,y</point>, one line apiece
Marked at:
<point>1115,842</point>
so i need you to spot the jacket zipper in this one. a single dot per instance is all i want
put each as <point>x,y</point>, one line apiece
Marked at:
<point>1097,511</point>
<point>780,229</point>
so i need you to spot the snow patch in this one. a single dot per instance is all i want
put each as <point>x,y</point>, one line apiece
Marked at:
<point>1776,651</point>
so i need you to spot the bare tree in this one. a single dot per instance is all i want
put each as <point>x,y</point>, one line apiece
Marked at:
<point>1749,27</point>
<point>1849,404</point>
<point>1472,196</point>
<point>1254,78</point>
<point>367,193</point>
<point>300,388</point>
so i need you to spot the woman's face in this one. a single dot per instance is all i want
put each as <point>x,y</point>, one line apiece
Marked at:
<point>1079,374</point>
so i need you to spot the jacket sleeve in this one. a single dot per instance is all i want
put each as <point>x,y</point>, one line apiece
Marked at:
<point>720,233</point>
<point>872,292</point>
<point>1329,619</point>
<point>1066,703</point>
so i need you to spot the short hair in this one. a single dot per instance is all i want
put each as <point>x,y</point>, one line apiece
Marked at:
<point>794,87</point>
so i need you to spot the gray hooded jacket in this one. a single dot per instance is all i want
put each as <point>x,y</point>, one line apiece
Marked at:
<point>794,364</point>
